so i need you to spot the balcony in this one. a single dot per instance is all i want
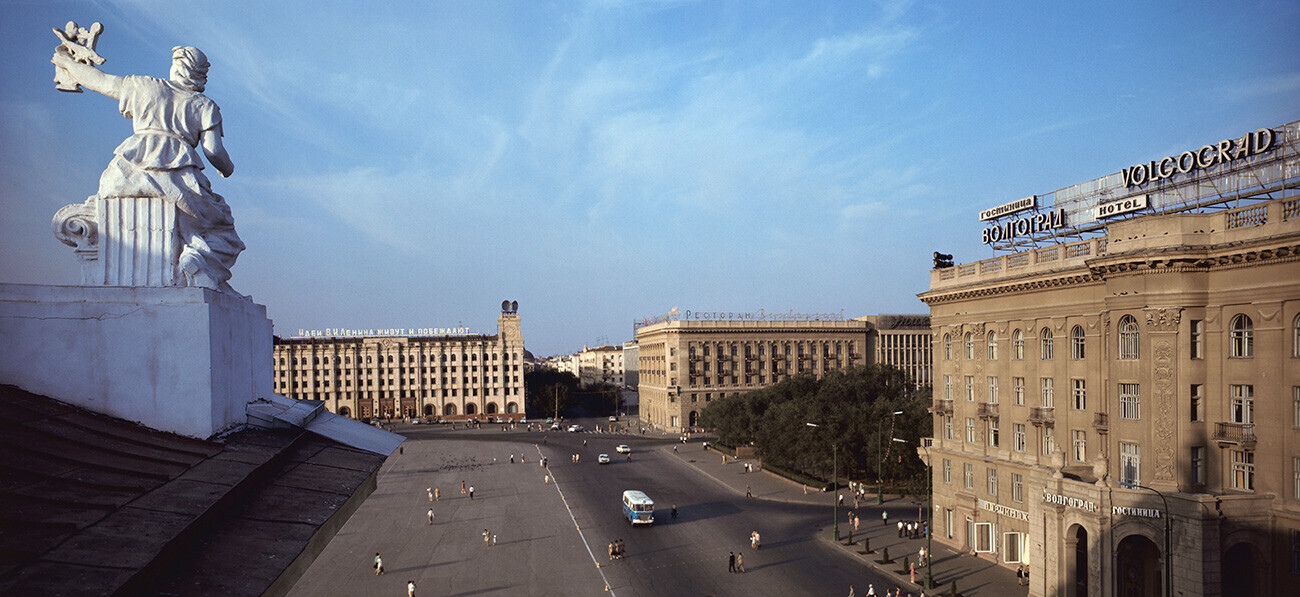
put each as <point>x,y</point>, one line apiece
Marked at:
<point>1042,415</point>
<point>987,411</point>
<point>942,407</point>
<point>1240,434</point>
<point>1101,422</point>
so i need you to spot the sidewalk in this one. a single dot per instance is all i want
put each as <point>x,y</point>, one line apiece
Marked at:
<point>975,577</point>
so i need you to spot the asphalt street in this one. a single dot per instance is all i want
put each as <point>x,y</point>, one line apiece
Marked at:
<point>553,537</point>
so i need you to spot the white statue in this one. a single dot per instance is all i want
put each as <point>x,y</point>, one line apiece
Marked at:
<point>158,163</point>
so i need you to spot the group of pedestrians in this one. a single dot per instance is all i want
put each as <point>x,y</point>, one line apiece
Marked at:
<point>616,549</point>
<point>736,562</point>
<point>911,529</point>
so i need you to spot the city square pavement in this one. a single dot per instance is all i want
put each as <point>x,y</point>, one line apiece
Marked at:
<point>537,549</point>
<point>974,576</point>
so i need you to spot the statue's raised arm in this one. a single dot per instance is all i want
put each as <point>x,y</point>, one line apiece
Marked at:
<point>158,167</point>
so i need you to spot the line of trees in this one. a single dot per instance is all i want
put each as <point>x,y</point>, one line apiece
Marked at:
<point>853,410</point>
<point>551,392</point>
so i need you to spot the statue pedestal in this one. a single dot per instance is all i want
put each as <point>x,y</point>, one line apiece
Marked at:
<point>181,359</point>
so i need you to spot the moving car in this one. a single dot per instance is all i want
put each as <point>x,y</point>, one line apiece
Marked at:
<point>603,459</point>
<point>575,428</point>
<point>623,449</point>
<point>612,419</point>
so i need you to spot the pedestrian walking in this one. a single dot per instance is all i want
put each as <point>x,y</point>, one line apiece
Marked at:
<point>900,529</point>
<point>410,588</point>
<point>379,564</point>
<point>494,539</point>
<point>871,590</point>
<point>430,490</point>
<point>884,517</point>
<point>611,550</point>
<point>471,492</point>
<point>731,562</point>
<point>430,515</point>
<point>855,522</point>
<point>840,499</point>
<point>437,494</point>
<point>487,539</point>
<point>462,488</point>
<point>850,590</point>
<point>674,511</point>
<point>740,562</point>
<point>512,458</point>
<point>748,492</point>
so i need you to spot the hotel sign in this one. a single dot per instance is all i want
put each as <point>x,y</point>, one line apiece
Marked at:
<point>1003,510</point>
<point>994,213</point>
<point>1063,500</point>
<point>391,332</point>
<point>1123,206</point>
<point>1031,224</point>
<point>1127,511</point>
<point>1222,152</point>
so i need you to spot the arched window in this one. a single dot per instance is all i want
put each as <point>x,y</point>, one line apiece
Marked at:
<point>1045,344</point>
<point>428,410</point>
<point>1295,337</point>
<point>512,407</point>
<point>1018,345</point>
<point>471,409</point>
<point>345,411</point>
<point>492,408</point>
<point>1077,343</point>
<point>993,346</point>
<point>947,344</point>
<point>1128,338</point>
<point>970,346</point>
<point>1243,337</point>
<point>449,409</point>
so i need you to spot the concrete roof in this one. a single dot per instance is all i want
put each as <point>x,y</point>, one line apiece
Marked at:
<point>90,504</point>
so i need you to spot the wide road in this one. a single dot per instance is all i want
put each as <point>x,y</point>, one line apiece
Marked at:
<point>552,535</point>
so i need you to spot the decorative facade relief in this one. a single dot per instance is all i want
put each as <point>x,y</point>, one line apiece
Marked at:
<point>1166,410</point>
<point>1164,318</point>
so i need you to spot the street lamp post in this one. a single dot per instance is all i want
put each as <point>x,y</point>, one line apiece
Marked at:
<point>835,473</point>
<point>880,458</point>
<point>1169,590</point>
<point>929,515</point>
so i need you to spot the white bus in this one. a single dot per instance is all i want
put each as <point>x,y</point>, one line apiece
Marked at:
<point>638,508</point>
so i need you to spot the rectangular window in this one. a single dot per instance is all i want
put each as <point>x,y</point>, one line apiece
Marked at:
<point>970,430</point>
<point>1019,436</point>
<point>984,537</point>
<point>1130,401</point>
<point>1295,406</point>
<point>1295,480</point>
<point>1080,446</point>
<point>1049,440</point>
<point>1045,345</point>
<point>947,427</point>
<point>947,521</point>
<point>1014,544</point>
<point>968,475</point>
<point>993,482</point>
<point>1018,384</point>
<point>970,388</point>
<point>993,433</point>
<point>1130,463</point>
<point>1197,348</point>
<point>1198,465</point>
<point>1046,392</point>
<point>947,471</point>
<point>947,387</point>
<point>993,390</point>
<point>1198,402</point>
<point>1243,470</point>
<point>1078,395</point>
<point>1017,487</point>
<point>1243,403</point>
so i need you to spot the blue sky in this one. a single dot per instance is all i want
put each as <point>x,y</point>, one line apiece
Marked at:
<point>413,164</point>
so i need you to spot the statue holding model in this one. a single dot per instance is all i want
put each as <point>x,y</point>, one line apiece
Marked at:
<point>155,220</point>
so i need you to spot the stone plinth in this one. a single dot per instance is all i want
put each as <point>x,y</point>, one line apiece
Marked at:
<point>181,359</point>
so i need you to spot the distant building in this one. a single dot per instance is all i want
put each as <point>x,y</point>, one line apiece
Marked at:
<point>687,361</point>
<point>448,376</point>
<point>1164,352</point>
<point>602,364</point>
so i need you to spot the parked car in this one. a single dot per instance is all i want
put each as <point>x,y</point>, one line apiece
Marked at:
<point>575,428</point>
<point>623,449</point>
<point>612,419</point>
<point>555,426</point>
<point>603,459</point>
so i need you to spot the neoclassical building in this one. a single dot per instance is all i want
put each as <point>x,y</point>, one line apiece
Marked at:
<point>1122,413</point>
<point>684,363</point>
<point>447,375</point>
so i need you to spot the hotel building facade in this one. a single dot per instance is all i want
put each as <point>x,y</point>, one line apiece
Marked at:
<point>1121,413</point>
<point>411,373</point>
<point>687,361</point>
